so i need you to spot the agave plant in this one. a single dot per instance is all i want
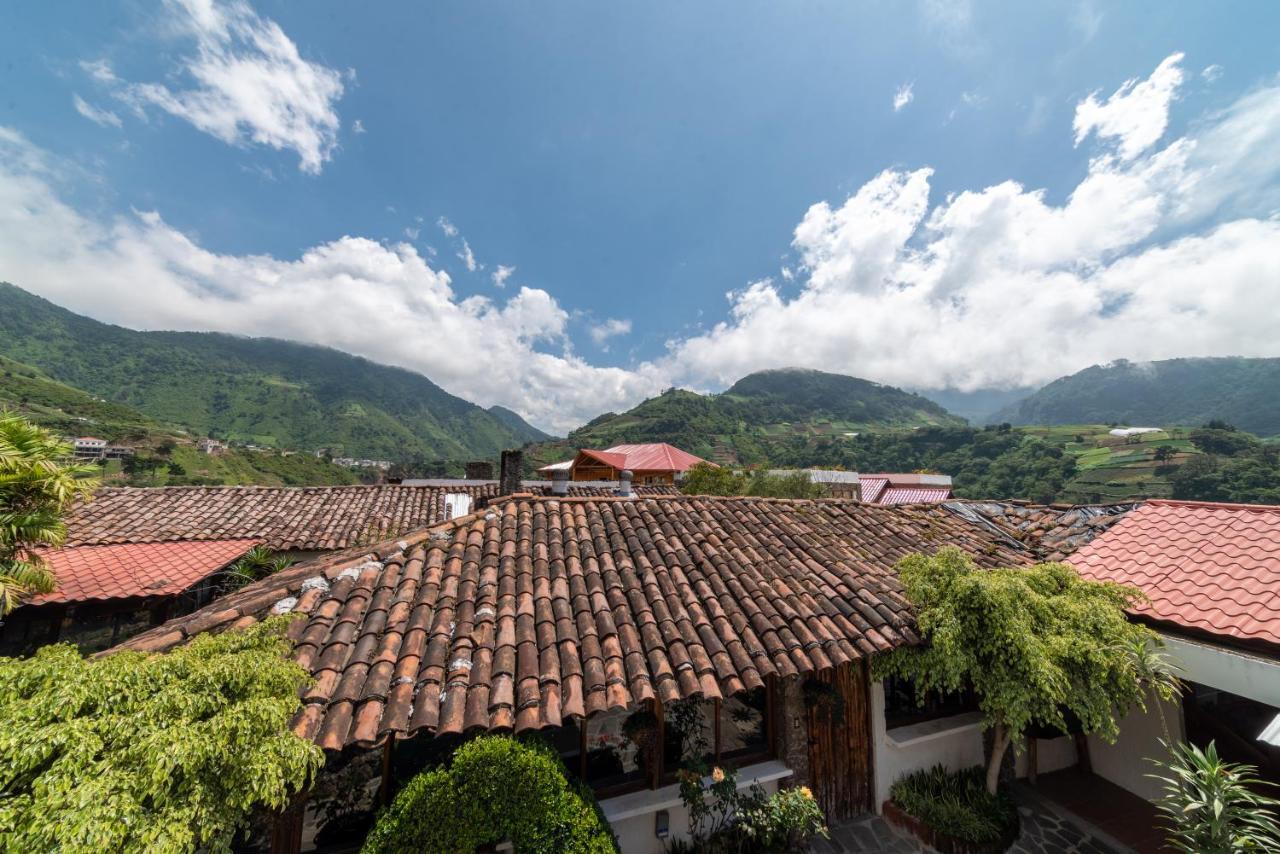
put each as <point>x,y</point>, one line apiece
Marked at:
<point>1215,807</point>
<point>37,485</point>
<point>258,562</point>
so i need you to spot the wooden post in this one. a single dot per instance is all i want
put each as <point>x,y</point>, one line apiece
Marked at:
<point>1032,741</point>
<point>384,790</point>
<point>286,833</point>
<point>1082,753</point>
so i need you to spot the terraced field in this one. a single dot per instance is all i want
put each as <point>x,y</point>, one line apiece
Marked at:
<point>1113,468</point>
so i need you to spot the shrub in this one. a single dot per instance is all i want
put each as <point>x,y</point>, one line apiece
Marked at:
<point>1211,806</point>
<point>496,789</point>
<point>156,753</point>
<point>956,804</point>
<point>784,821</point>
<point>732,820</point>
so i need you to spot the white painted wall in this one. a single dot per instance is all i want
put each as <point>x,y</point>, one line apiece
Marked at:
<point>1052,754</point>
<point>1127,762</point>
<point>632,815</point>
<point>955,742</point>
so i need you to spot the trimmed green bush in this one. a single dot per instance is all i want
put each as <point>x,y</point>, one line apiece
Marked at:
<point>956,804</point>
<point>496,789</point>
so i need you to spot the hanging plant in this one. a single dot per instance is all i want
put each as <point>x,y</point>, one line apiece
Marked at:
<point>824,700</point>
<point>641,729</point>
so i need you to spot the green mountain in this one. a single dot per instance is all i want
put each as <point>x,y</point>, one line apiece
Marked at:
<point>517,424</point>
<point>255,390</point>
<point>759,412</point>
<point>1243,392</point>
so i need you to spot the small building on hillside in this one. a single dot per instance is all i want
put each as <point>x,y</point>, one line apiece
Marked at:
<point>210,446</point>
<point>89,447</point>
<point>904,488</point>
<point>649,464</point>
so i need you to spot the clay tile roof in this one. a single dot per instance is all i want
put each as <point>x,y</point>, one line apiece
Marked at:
<point>87,573</point>
<point>293,518</point>
<point>537,609</point>
<point>1208,568</point>
<point>654,456</point>
<point>1052,532</point>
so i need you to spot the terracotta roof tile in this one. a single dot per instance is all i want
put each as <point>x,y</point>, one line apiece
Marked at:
<point>1212,568</point>
<point>534,609</point>
<point>87,573</point>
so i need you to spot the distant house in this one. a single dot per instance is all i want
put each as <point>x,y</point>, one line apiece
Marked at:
<point>89,447</point>
<point>653,463</point>
<point>904,488</point>
<point>211,446</point>
<point>882,488</point>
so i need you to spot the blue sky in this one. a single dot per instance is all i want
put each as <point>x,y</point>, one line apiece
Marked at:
<point>319,171</point>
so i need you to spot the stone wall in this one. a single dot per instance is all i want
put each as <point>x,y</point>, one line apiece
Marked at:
<point>792,736</point>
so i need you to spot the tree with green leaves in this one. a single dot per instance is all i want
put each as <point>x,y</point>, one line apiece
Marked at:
<point>1214,807</point>
<point>37,485</point>
<point>1036,645</point>
<point>157,753</point>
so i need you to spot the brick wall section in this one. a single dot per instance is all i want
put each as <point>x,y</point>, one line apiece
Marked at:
<point>792,737</point>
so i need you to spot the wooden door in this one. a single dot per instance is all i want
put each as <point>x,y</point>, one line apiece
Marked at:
<point>840,741</point>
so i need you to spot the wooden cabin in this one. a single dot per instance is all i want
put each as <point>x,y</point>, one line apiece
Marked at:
<point>650,464</point>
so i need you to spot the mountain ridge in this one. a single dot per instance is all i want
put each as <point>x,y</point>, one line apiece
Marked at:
<point>258,390</point>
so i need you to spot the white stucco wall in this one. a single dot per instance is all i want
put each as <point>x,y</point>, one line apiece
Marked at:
<point>1127,762</point>
<point>954,742</point>
<point>1239,673</point>
<point>1052,754</point>
<point>632,816</point>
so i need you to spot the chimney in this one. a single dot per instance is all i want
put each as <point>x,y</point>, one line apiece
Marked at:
<point>560,482</point>
<point>509,479</point>
<point>624,483</point>
<point>479,470</point>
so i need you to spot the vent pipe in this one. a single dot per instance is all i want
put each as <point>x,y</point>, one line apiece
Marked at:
<point>560,482</point>
<point>624,483</point>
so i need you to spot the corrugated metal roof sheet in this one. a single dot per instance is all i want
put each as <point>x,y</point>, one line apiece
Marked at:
<point>87,573</point>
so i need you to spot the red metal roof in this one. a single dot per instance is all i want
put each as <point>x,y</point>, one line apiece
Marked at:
<point>914,495</point>
<point>869,488</point>
<point>657,456</point>
<point>87,573</point>
<point>618,461</point>
<point>1212,568</point>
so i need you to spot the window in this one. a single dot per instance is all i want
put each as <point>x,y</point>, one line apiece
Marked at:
<point>744,727</point>
<point>688,735</point>
<point>902,708</point>
<point>629,749</point>
<point>614,758</point>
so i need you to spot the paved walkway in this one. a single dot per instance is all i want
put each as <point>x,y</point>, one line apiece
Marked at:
<point>1043,832</point>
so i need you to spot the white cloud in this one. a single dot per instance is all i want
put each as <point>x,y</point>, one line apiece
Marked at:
<point>97,115</point>
<point>1001,287</point>
<point>412,233</point>
<point>1136,114</point>
<point>1211,72</point>
<point>358,127</point>
<point>501,274</point>
<point>244,83</point>
<point>449,229</point>
<point>352,293</point>
<point>905,95</point>
<point>611,328</point>
<point>467,257</point>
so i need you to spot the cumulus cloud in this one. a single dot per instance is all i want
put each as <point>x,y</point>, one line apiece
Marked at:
<point>501,274</point>
<point>999,287</point>
<point>611,328</point>
<point>97,115</point>
<point>468,258</point>
<point>244,82</point>
<point>1136,114</point>
<point>449,229</point>
<point>384,302</point>
<point>905,95</point>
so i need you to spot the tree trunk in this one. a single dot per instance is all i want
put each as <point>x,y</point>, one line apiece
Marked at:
<point>999,743</point>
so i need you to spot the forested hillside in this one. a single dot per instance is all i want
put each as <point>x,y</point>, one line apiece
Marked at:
<point>1188,392</point>
<point>263,391</point>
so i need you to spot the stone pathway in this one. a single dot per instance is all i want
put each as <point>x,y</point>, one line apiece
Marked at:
<point>1043,832</point>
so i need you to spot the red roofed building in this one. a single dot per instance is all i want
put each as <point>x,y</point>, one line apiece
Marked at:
<point>1211,574</point>
<point>904,488</point>
<point>107,593</point>
<point>653,463</point>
